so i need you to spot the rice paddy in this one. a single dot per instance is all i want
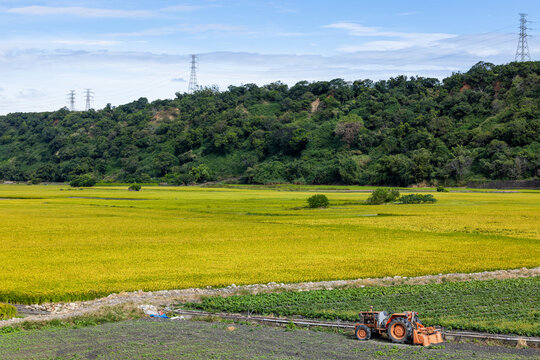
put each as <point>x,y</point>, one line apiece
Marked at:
<point>59,243</point>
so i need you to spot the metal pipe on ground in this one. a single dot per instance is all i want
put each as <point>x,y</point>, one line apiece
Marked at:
<point>533,342</point>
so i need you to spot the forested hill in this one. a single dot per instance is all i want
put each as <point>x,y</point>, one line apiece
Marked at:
<point>483,124</point>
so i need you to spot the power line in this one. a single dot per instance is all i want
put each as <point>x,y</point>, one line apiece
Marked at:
<point>193,77</point>
<point>89,99</point>
<point>71,100</point>
<point>522,51</point>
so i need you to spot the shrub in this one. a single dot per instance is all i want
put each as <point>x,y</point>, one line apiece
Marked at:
<point>134,187</point>
<point>179,178</point>
<point>201,173</point>
<point>270,172</point>
<point>7,311</point>
<point>417,199</point>
<point>441,188</point>
<point>186,179</point>
<point>318,201</point>
<point>85,180</point>
<point>382,195</point>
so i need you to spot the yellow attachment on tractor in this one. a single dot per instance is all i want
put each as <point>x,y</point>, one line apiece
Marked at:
<point>426,335</point>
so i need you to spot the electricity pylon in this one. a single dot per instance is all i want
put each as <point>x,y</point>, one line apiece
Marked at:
<point>522,52</point>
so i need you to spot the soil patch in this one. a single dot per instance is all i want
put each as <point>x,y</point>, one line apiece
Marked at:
<point>183,339</point>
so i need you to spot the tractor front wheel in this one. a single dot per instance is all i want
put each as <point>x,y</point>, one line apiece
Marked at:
<point>399,330</point>
<point>362,332</point>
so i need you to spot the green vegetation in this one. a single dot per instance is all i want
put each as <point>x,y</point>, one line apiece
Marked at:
<point>85,180</point>
<point>496,306</point>
<point>483,124</point>
<point>441,188</point>
<point>417,199</point>
<point>134,187</point>
<point>382,196</point>
<point>7,311</point>
<point>102,316</point>
<point>318,201</point>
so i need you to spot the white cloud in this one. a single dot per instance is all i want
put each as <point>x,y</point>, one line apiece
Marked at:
<point>181,8</point>
<point>30,94</point>
<point>89,12</point>
<point>86,42</point>
<point>79,11</point>
<point>291,34</point>
<point>408,13</point>
<point>405,39</point>
<point>376,46</point>
<point>179,79</point>
<point>185,28</point>
<point>484,52</point>
<point>365,31</point>
<point>353,29</point>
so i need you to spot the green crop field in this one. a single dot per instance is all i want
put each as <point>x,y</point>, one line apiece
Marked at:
<point>59,243</point>
<point>499,306</point>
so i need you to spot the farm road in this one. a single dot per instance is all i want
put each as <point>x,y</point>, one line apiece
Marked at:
<point>186,339</point>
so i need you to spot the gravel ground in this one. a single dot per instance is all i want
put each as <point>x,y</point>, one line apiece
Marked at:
<point>167,339</point>
<point>50,311</point>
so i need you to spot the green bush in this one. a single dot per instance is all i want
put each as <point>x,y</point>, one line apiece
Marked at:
<point>318,201</point>
<point>270,172</point>
<point>179,178</point>
<point>382,195</point>
<point>417,199</point>
<point>440,188</point>
<point>201,173</point>
<point>134,187</point>
<point>7,311</point>
<point>85,180</point>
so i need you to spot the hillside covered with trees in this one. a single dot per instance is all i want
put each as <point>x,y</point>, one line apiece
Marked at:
<point>482,124</point>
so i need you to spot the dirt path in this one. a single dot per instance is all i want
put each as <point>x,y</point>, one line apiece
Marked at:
<point>50,311</point>
<point>182,339</point>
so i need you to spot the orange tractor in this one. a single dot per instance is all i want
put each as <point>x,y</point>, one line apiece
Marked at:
<point>400,328</point>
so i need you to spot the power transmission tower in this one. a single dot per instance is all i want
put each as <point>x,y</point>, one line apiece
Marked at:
<point>71,100</point>
<point>522,51</point>
<point>89,99</point>
<point>193,78</point>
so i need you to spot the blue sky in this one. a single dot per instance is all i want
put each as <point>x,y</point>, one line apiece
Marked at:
<point>123,50</point>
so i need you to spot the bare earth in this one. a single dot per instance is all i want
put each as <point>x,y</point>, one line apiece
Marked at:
<point>186,339</point>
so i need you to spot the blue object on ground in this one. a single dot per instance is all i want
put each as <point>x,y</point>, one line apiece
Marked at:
<point>160,316</point>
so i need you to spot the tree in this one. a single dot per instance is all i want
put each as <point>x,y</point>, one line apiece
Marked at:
<point>163,162</point>
<point>201,173</point>
<point>394,170</point>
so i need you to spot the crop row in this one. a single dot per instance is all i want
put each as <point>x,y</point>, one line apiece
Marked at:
<point>496,306</point>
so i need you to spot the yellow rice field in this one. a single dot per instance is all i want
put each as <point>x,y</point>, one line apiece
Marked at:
<point>58,243</point>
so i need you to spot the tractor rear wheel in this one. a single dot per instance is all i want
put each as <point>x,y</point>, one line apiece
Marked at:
<point>362,332</point>
<point>399,330</point>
